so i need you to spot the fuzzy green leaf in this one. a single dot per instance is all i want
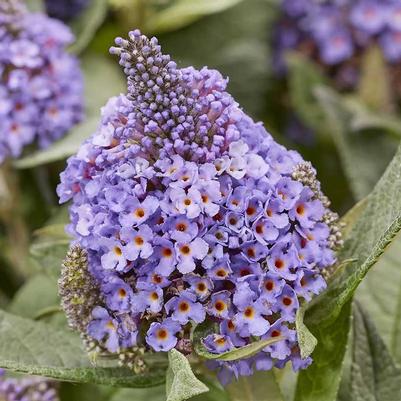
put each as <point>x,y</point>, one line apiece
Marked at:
<point>374,230</point>
<point>306,340</point>
<point>328,314</point>
<point>380,295</point>
<point>97,91</point>
<point>238,353</point>
<point>40,349</point>
<point>27,303</point>
<point>49,248</point>
<point>181,383</point>
<point>374,375</point>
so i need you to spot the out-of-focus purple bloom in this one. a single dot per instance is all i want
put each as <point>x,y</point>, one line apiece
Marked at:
<point>369,16</point>
<point>390,42</point>
<point>27,388</point>
<point>336,48</point>
<point>337,34</point>
<point>41,91</point>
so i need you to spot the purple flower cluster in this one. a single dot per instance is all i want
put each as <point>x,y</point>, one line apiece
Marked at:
<point>65,10</point>
<point>337,32</point>
<point>40,83</point>
<point>190,212</point>
<point>27,389</point>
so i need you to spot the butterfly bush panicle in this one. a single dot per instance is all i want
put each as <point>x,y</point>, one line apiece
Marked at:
<point>27,389</point>
<point>190,213</point>
<point>40,83</point>
<point>336,33</point>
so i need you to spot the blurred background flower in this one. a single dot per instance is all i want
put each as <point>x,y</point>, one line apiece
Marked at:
<point>40,83</point>
<point>338,34</point>
<point>27,389</point>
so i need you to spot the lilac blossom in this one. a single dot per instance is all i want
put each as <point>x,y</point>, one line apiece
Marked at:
<point>185,308</point>
<point>191,213</point>
<point>162,336</point>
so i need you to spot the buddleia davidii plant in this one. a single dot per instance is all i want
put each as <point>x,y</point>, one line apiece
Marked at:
<point>187,214</point>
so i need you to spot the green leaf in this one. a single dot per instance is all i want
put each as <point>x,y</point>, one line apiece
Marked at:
<point>321,380</point>
<point>306,340</point>
<point>41,349</point>
<point>303,77</point>
<point>27,303</point>
<point>328,314</point>
<point>261,386</point>
<point>355,148</point>
<point>374,375</point>
<point>238,353</point>
<point>380,295</point>
<point>351,217</point>
<point>181,383</point>
<point>374,230</point>
<point>49,248</point>
<point>364,119</point>
<point>182,12</point>
<point>375,93</point>
<point>87,23</point>
<point>97,91</point>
